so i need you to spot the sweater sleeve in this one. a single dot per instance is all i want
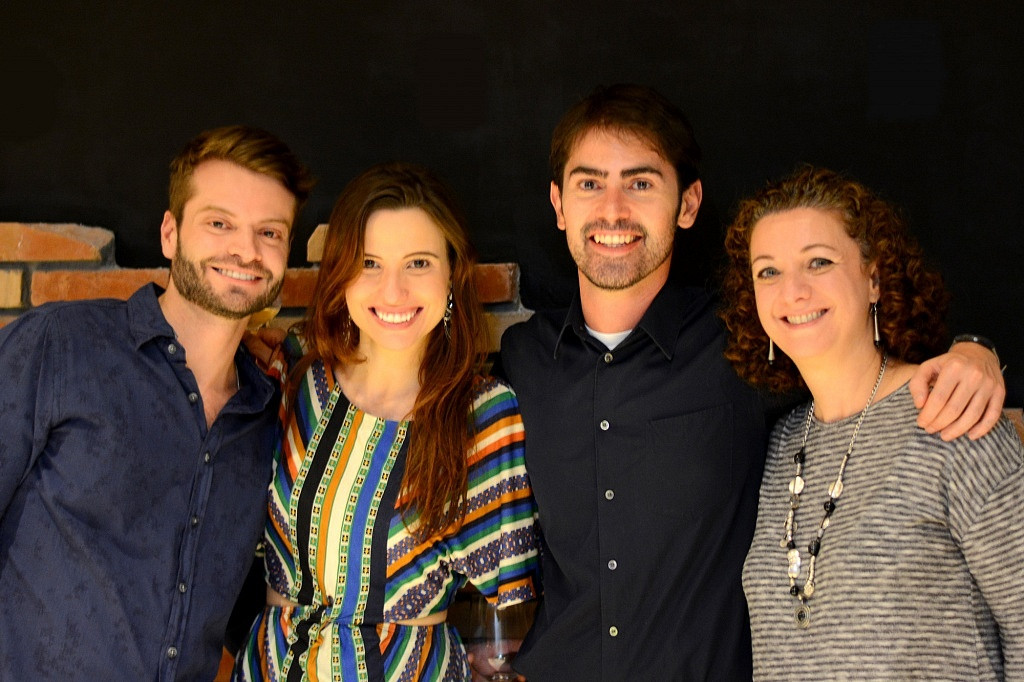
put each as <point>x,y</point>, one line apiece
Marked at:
<point>986,494</point>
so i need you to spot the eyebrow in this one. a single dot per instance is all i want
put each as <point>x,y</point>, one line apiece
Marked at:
<point>803,250</point>
<point>221,209</point>
<point>414,254</point>
<point>586,170</point>
<point>641,170</point>
<point>628,173</point>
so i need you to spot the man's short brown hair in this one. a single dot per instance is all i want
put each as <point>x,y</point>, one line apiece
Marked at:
<point>251,148</point>
<point>632,110</point>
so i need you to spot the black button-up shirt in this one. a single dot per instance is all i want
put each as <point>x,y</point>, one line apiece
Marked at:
<point>126,526</point>
<point>645,462</point>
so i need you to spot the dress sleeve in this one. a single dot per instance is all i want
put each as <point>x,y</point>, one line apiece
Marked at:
<point>497,546</point>
<point>986,494</point>
<point>28,365</point>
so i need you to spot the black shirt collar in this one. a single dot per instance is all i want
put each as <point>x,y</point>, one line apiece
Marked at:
<point>662,322</point>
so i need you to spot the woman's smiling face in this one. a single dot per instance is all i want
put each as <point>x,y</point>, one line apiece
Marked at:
<point>401,293</point>
<point>812,287</point>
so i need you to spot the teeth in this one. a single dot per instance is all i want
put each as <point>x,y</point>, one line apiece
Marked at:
<point>237,275</point>
<point>804,319</point>
<point>394,318</point>
<point>616,239</point>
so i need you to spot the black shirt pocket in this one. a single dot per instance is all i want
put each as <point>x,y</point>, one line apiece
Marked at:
<point>688,465</point>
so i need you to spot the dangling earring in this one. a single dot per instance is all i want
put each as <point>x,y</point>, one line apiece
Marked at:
<point>447,319</point>
<point>771,352</point>
<point>346,333</point>
<point>874,314</point>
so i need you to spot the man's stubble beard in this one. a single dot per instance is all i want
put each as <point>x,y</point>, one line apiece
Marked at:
<point>616,274</point>
<point>187,278</point>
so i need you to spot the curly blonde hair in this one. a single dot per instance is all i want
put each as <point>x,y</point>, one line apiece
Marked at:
<point>913,302</point>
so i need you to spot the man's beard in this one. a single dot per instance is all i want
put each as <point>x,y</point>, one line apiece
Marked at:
<point>621,273</point>
<point>187,278</point>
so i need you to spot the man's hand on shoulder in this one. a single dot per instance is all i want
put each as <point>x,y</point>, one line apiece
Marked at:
<point>263,343</point>
<point>959,392</point>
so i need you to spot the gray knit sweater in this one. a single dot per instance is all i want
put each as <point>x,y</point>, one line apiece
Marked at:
<point>921,572</point>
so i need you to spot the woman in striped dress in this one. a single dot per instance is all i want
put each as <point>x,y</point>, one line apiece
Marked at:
<point>399,474</point>
<point>881,552</point>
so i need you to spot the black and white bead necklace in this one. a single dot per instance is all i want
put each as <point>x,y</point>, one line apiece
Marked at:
<point>796,486</point>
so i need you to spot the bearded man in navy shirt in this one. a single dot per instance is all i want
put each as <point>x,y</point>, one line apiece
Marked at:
<point>136,437</point>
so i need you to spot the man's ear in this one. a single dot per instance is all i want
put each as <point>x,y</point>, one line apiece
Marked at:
<point>689,204</point>
<point>556,203</point>
<point>169,236</point>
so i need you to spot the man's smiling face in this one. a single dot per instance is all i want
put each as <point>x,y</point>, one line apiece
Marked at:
<point>229,253</point>
<point>619,207</point>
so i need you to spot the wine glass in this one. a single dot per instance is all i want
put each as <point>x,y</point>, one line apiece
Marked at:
<point>261,318</point>
<point>493,637</point>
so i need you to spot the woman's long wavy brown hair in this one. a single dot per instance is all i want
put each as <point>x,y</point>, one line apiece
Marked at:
<point>913,300</point>
<point>434,486</point>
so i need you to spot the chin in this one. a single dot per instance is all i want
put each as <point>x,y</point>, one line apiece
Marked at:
<point>398,344</point>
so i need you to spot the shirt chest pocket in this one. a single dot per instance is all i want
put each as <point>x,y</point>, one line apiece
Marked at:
<point>687,465</point>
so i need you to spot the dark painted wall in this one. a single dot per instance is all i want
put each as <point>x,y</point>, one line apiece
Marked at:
<point>922,100</point>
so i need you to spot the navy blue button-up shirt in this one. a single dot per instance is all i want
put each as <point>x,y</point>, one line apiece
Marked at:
<point>126,525</point>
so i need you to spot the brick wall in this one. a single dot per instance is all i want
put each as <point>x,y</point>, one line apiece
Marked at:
<point>59,262</point>
<point>44,262</point>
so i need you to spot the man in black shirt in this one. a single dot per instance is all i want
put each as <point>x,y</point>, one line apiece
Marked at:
<point>644,448</point>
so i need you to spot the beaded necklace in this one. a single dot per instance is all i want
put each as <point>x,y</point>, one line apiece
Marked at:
<point>796,486</point>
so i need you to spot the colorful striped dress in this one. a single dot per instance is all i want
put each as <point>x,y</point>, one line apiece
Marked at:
<point>336,542</point>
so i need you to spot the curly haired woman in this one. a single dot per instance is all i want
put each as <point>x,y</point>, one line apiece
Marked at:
<point>881,551</point>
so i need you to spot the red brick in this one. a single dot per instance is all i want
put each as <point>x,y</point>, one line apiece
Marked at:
<point>10,288</point>
<point>54,242</point>
<point>74,285</point>
<point>297,291</point>
<point>67,285</point>
<point>497,282</point>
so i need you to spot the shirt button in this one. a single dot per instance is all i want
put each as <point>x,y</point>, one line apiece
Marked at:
<point>605,425</point>
<point>172,652</point>
<point>608,358</point>
<point>612,565</point>
<point>182,587</point>
<point>206,458</point>
<point>194,521</point>
<point>172,349</point>
<point>609,494</point>
<point>193,398</point>
<point>613,631</point>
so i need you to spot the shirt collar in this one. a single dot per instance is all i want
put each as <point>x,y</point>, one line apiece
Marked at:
<point>146,320</point>
<point>662,322</point>
<point>147,323</point>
